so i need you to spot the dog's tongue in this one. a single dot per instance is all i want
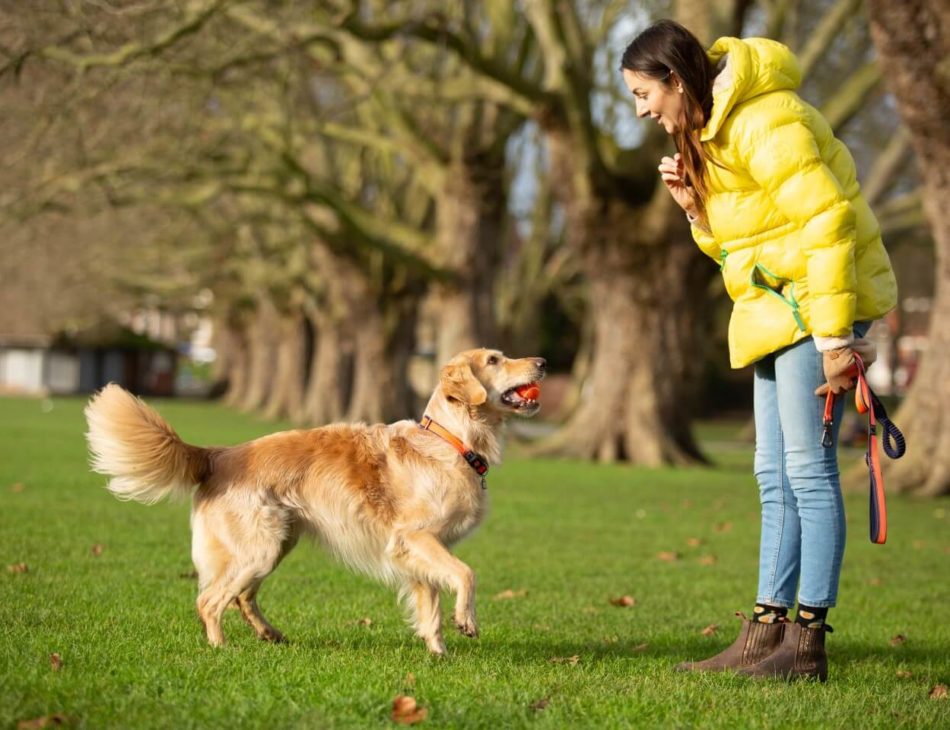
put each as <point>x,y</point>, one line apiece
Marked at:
<point>531,391</point>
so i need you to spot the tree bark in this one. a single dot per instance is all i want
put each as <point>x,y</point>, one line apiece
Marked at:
<point>647,283</point>
<point>286,394</point>
<point>323,402</point>
<point>262,340</point>
<point>470,218</point>
<point>913,41</point>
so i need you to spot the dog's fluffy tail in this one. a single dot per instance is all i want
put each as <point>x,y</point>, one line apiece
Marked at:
<point>132,444</point>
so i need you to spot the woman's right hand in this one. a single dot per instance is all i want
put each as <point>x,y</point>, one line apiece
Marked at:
<point>674,176</point>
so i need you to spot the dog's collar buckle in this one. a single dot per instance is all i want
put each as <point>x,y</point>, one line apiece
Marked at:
<point>473,458</point>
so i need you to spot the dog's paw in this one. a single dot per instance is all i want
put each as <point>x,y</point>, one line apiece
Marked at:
<point>273,636</point>
<point>467,627</point>
<point>436,647</point>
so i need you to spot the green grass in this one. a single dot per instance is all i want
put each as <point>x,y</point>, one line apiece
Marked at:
<point>571,534</point>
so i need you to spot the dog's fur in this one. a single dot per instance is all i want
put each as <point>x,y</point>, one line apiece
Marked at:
<point>386,499</point>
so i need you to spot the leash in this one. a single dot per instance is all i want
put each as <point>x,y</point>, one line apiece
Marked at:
<point>865,401</point>
<point>474,459</point>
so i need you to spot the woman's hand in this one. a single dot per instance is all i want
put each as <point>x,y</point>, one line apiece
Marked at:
<point>674,176</point>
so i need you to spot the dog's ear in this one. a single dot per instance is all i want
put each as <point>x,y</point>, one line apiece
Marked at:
<point>459,382</point>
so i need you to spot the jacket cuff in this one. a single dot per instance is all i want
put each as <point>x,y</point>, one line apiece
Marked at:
<point>826,344</point>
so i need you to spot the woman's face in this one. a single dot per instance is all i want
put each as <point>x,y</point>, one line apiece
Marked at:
<point>657,99</point>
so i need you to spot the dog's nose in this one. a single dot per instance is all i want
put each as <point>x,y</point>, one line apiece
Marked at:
<point>541,363</point>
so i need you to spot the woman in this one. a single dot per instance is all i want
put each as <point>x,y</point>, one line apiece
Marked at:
<point>772,197</point>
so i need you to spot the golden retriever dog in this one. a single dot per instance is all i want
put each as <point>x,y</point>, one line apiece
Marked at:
<point>388,500</point>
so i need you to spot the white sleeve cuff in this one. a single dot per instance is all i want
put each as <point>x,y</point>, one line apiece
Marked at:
<point>826,344</point>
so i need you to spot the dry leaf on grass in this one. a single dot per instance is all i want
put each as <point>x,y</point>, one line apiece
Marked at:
<point>904,674</point>
<point>406,711</point>
<point>18,568</point>
<point>708,560</point>
<point>508,594</point>
<point>898,640</point>
<point>540,704</point>
<point>939,692</point>
<point>572,660</point>
<point>668,557</point>
<point>623,601</point>
<point>694,542</point>
<point>97,549</point>
<point>640,647</point>
<point>46,721</point>
<point>18,487</point>
<point>710,630</point>
<point>365,621</point>
<point>56,661</point>
<point>874,582</point>
<point>723,527</point>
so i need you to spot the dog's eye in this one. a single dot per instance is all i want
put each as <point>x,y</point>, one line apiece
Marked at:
<point>492,360</point>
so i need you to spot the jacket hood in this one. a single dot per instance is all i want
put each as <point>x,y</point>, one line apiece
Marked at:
<point>748,68</point>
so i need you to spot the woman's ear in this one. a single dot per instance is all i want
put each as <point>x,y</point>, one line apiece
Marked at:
<point>459,383</point>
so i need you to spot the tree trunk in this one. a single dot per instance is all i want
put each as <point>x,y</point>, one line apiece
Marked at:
<point>323,402</point>
<point>647,285</point>
<point>469,231</point>
<point>286,394</point>
<point>913,41</point>
<point>263,339</point>
<point>236,360</point>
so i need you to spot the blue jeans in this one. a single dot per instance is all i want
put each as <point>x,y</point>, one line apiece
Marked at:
<point>803,526</point>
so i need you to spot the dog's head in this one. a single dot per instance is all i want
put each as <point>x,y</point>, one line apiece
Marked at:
<point>487,379</point>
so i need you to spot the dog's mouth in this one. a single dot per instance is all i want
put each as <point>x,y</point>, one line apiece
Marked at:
<point>523,398</point>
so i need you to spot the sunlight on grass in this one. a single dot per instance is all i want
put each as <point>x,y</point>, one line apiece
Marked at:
<point>562,540</point>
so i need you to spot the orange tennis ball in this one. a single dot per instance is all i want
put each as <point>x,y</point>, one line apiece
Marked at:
<point>529,392</point>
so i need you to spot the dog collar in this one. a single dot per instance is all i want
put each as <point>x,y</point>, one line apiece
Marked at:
<point>475,460</point>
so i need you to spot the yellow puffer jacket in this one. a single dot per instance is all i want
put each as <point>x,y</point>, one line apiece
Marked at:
<point>799,248</point>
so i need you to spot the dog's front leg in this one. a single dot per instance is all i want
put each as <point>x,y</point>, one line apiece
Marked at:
<point>427,559</point>
<point>428,616</point>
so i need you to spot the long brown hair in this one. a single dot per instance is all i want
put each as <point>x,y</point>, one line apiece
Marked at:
<point>664,49</point>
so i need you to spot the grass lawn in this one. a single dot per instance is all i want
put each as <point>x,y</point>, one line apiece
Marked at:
<point>563,537</point>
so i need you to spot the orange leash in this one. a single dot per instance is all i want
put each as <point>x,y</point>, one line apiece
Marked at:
<point>866,401</point>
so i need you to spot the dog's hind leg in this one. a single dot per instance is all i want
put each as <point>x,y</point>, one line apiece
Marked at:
<point>427,616</point>
<point>247,599</point>
<point>423,556</point>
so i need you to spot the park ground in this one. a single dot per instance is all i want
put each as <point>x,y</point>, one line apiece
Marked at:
<point>107,587</point>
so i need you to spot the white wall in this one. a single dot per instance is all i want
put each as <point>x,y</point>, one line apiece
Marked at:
<point>21,369</point>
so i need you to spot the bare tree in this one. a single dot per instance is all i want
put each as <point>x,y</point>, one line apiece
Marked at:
<point>913,41</point>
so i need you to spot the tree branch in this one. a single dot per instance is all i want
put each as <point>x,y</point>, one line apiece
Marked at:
<point>825,34</point>
<point>851,95</point>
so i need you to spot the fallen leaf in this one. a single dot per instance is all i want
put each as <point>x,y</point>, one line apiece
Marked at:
<point>874,582</point>
<point>45,721</point>
<point>668,557</point>
<point>18,487</point>
<point>18,568</point>
<point>904,674</point>
<point>939,692</point>
<point>710,630</point>
<point>640,647</point>
<point>898,640</point>
<point>540,704</point>
<point>572,660</point>
<point>508,594</point>
<point>56,661</point>
<point>97,549</point>
<point>623,601</point>
<point>708,560</point>
<point>723,527</point>
<point>407,712</point>
<point>694,542</point>
<point>687,503</point>
<point>365,621</point>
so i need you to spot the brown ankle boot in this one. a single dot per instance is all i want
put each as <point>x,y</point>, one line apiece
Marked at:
<point>754,643</point>
<point>801,655</point>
